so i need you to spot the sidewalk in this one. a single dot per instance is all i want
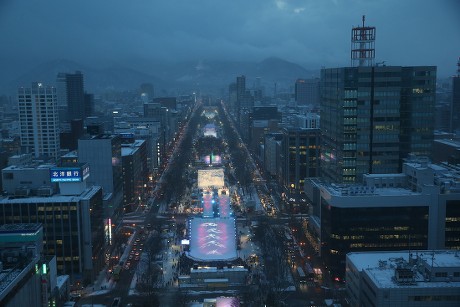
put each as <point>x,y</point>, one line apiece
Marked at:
<point>101,285</point>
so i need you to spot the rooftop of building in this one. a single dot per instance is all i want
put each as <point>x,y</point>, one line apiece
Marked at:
<point>71,154</point>
<point>301,129</point>
<point>56,198</point>
<point>363,190</point>
<point>30,166</point>
<point>128,149</point>
<point>442,171</point>
<point>10,278</point>
<point>444,175</point>
<point>453,143</point>
<point>88,193</point>
<point>397,175</point>
<point>129,119</point>
<point>19,228</point>
<point>382,267</point>
<point>99,137</point>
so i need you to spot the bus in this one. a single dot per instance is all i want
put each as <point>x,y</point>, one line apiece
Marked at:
<point>116,272</point>
<point>300,272</point>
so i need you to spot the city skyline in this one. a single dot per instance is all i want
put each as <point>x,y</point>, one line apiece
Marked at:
<point>180,153</point>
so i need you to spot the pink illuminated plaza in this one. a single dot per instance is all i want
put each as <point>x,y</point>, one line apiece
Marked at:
<point>213,239</point>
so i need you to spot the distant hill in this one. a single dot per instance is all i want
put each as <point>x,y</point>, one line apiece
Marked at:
<point>96,80</point>
<point>219,74</point>
<point>166,77</point>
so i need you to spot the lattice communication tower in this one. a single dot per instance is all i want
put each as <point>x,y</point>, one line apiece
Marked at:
<point>363,45</point>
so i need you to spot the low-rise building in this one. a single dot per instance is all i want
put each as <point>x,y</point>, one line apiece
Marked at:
<point>416,209</point>
<point>27,277</point>
<point>74,227</point>
<point>405,278</point>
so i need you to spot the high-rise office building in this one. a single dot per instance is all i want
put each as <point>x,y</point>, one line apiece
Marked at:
<point>272,153</point>
<point>103,154</point>
<point>232,98</point>
<point>135,174</point>
<point>89,105</point>
<point>373,117</point>
<point>455,107</point>
<point>71,93</point>
<point>147,90</point>
<point>240,95</point>
<point>39,122</point>
<point>240,87</point>
<point>300,159</point>
<point>307,91</point>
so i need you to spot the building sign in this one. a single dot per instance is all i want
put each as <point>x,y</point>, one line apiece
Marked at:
<point>69,174</point>
<point>125,135</point>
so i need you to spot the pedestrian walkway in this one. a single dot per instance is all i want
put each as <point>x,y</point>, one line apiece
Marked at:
<point>103,284</point>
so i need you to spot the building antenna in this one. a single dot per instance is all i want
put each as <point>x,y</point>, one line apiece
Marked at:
<point>362,45</point>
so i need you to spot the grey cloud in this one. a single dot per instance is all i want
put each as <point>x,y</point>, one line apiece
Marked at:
<point>314,33</point>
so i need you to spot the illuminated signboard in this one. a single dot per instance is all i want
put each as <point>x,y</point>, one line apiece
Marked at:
<point>69,174</point>
<point>125,135</point>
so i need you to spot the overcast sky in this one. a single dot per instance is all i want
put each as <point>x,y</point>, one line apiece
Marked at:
<point>313,33</point>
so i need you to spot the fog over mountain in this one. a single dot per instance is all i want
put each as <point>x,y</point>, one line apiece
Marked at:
<point>168,40</point>
<point>201,75</point>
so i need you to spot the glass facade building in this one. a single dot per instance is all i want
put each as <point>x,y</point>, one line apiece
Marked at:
<point>345,229</point>
<point>452,224</point>
<point>372,117</point>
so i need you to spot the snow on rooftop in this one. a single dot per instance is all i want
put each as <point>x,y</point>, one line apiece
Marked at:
<point>213,239</point>
<point>126,151</point>
<point>361,190</point>
<point>363,260</point>
<point>452,143</point>
<point>381,266</point>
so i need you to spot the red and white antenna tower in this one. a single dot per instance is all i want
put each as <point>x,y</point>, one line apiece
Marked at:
<point>362,45</point>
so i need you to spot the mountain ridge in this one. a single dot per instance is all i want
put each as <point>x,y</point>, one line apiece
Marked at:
<point>207,75</point>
